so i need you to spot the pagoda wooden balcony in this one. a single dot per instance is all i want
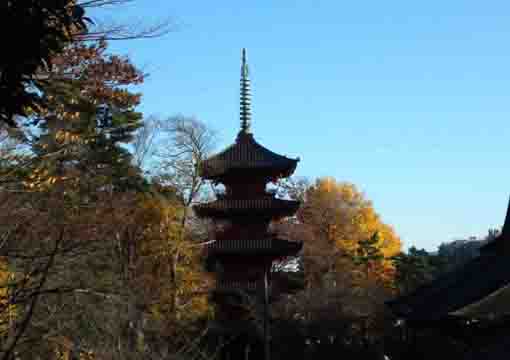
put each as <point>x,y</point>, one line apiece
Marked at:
<point>238,296</point>
<point>280,284</point>
<point>266,207</point>
<point>239,289</point>
<point>248,286</point>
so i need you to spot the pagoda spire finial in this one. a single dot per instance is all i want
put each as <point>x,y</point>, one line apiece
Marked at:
<point>245,98</point>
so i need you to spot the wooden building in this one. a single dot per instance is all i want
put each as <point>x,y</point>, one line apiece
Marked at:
<point>470,305</point>
<point>243,250</point>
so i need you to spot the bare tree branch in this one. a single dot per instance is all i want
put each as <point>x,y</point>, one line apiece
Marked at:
<point>35,298</point>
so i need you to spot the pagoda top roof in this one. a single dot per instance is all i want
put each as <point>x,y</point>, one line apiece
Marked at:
<point>246,153</point>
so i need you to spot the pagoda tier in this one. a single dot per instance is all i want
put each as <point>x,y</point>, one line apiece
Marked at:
<point>247,158</point>
<point>266,206</point>
<point>270,247</point>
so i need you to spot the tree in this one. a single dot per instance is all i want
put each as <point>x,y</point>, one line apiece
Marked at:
<point>88,115</point>
<point>293,188</point>
<point>144,142</point>
<point>88,226</point>
<point>347,271</point>
<point>368,255</point>
<point>107,287</point>
<point>169,268</point>
<point>415,268</point>
<point>185,143</point>
<point>47,27</point>
<point>75,172</point>
<point>340,219</point>
<point>106,29</point>
<point>418,267</point>
<point>457,253</point>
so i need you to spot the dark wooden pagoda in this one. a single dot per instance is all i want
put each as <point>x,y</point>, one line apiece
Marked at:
<point>243,250</point>
<point>470,305</point>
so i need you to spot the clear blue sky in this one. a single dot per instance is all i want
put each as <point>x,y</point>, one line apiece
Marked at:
<point>408,100</point>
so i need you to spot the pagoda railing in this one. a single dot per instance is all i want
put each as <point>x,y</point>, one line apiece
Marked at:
<point>235,285</point>
<point>240,244</point>
<point>268,202</point>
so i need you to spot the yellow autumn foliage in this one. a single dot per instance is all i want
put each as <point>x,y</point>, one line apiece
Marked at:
<point>339,214</point>
<point>169,269</point>
<point>7,309</point>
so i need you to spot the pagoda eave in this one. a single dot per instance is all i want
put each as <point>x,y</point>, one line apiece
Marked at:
<point>264,247</point>
<point>244,155</point>
<point>234,250</point>
<point>219,171</point>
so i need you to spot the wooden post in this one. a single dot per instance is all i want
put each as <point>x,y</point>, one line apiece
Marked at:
<point>267,352</point>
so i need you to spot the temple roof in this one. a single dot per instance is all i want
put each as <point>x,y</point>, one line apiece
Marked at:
<point>246,153</point>
<point>466,291</point>
<point>496,304</point>
<point>498,349</point>
<point>266,206</point>
<point>455,290</point>
<point>502,242</point>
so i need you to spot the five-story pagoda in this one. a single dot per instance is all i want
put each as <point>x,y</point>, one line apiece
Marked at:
<point>243,249</point>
